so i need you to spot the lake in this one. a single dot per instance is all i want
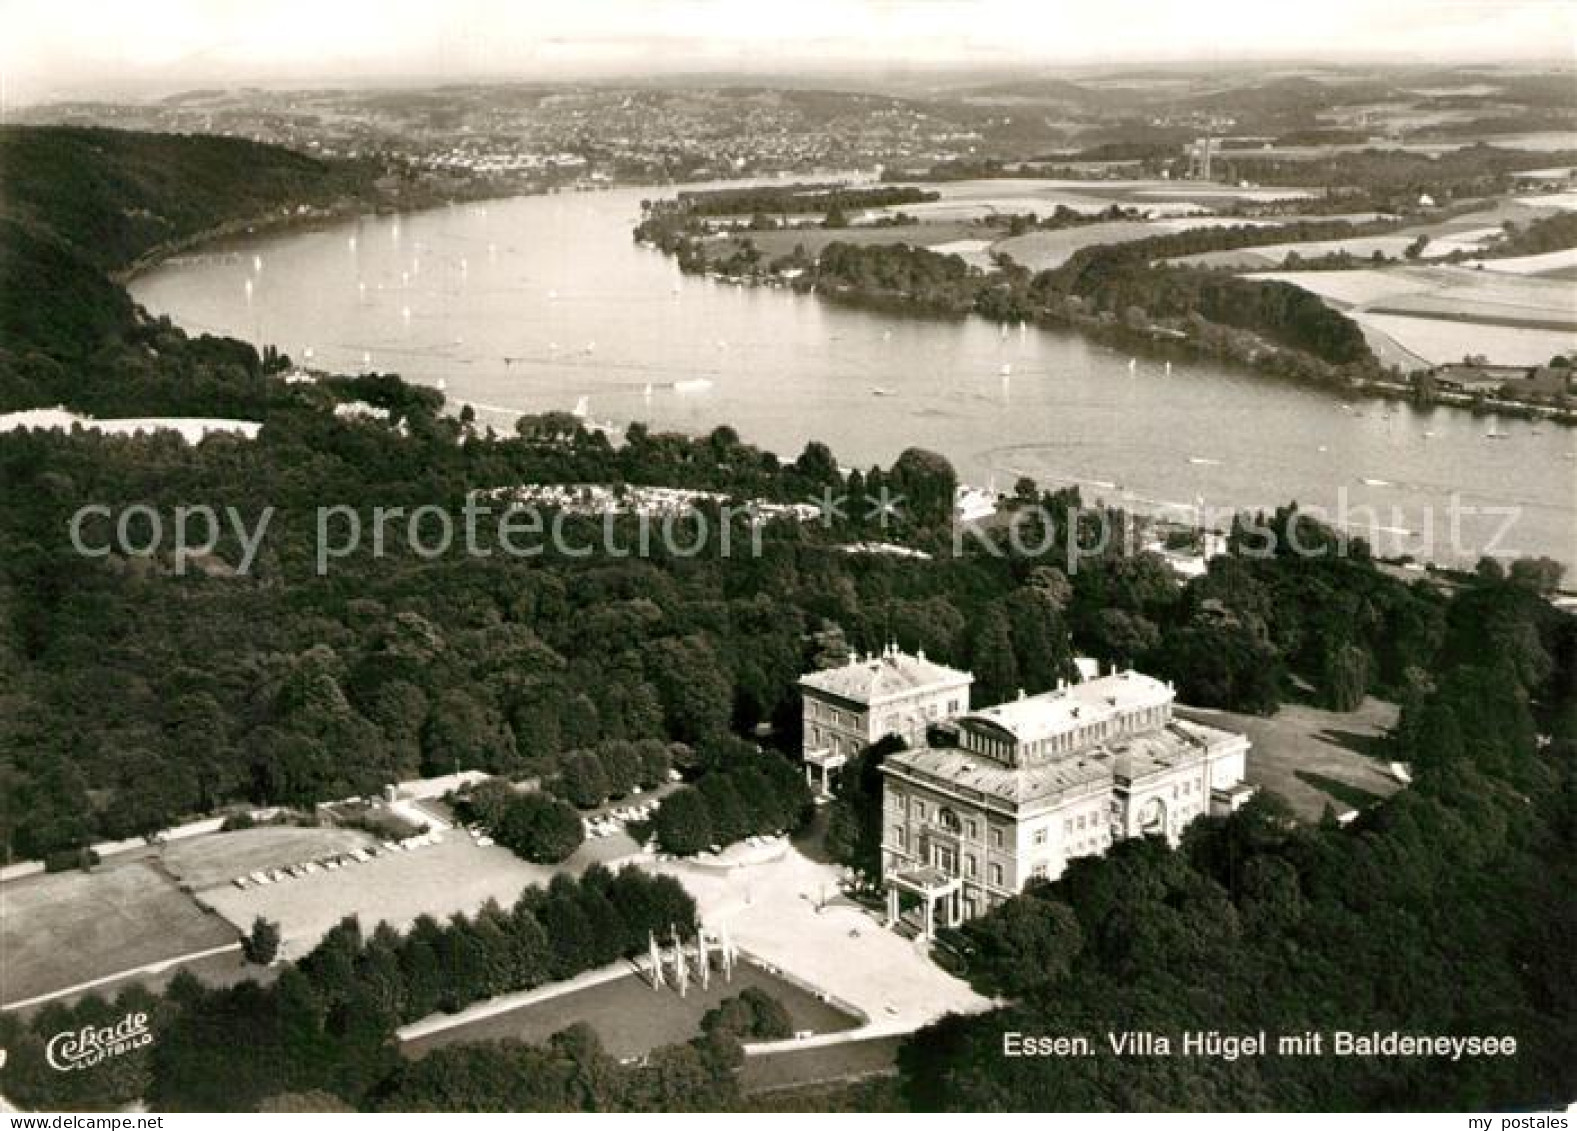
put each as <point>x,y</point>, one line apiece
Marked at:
<point>534,303</point>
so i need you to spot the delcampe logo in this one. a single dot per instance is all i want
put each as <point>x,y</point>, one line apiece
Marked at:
<point>82,1048</point>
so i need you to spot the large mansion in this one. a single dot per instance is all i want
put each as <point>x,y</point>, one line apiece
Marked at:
<point>1019,789</point>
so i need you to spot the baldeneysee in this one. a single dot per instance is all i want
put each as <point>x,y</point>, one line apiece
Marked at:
<point>545,302</point>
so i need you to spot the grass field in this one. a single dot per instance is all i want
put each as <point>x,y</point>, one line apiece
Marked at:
<point>70,927</point>
<point>208,861</point>
<point>794,1068</point>
<point>632,1018</point>
<point>1313,758</point>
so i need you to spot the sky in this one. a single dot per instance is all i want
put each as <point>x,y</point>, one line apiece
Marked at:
<point>69,48</point>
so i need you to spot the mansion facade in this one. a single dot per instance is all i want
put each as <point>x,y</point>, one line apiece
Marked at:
<point>848,707</point>
<point>1024,787</point>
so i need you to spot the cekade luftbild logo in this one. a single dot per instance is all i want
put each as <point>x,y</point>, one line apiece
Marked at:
<point>82,1048</point>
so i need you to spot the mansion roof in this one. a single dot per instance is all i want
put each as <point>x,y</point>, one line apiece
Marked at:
<point>1036,717</point>
<point>891,674</point>
<point>1121,762</point>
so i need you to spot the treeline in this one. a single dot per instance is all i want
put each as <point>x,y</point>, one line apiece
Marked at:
<point>614,769</point>
<point>326,1024</point>
<point>1394,179</point>
<point>1442,911</point>
<point>791,199</point>
<point>1536,237</point>
<point>745,794</point>
<point>570,1072</point>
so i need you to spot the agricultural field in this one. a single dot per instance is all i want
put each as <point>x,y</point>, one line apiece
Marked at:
<point>1274,255</point>
<point>971,200</point>
<point>1549,265</point>
<point>631,1017</point>
<point>1440,341</point>
<point>1444,313</point>
<point>62,929</point>
<point>1042,251</point>
<point>1358,287</point>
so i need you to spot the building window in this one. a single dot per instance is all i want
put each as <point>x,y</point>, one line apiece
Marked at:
<point>996,874</point>
<point>1081,821</point>
<point>1038,871</point>
<point>974,829</point>
<point>996,838</point>
<point>898,836</point>
<point>969,865</point>
<point>1040,836</point>
<point>919,809</point>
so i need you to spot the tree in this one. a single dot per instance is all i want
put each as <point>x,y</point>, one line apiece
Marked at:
<point>1346,681</point>
<point>261,944</point>
<point>1023,944</point>
<point>538,828</point>
<point>927,483</point>
<point>684,823</point>
<point>696,690</point>
<point>993,660</point>
<point>583,780</point>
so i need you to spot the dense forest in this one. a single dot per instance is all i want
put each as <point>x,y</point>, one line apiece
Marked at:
<point>132,695</point>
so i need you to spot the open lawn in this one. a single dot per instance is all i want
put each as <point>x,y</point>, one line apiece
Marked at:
<point>70,927</point>
<point>794,1068</point>
<point>632,1018</point>
<point>1314,758</point>
<point>208,861</point>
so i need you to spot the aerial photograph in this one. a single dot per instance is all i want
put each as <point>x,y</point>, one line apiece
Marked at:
<point>881,556</point>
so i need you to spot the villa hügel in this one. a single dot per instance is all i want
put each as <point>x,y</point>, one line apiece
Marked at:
<point>982,802</point>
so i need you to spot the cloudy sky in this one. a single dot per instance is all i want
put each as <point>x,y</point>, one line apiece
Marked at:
<point>58,48</point>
